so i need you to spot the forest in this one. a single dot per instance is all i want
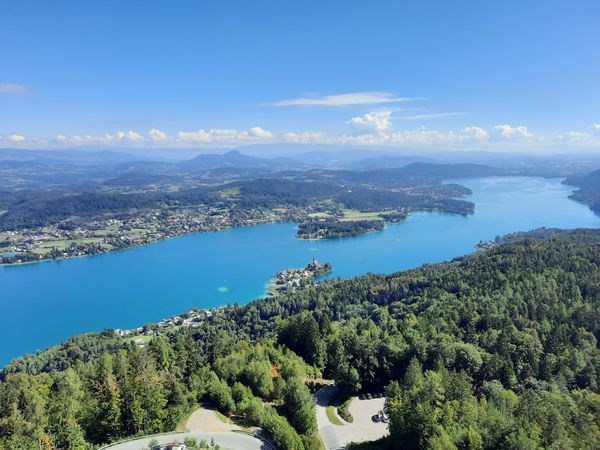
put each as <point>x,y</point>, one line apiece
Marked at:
<point>21,209</point>
<point>498,349</point>
<point>373,200</point>
<point>332,229</point>
<point>589,189</point>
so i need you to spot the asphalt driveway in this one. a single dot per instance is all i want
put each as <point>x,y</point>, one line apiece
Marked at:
<point>227,441</point>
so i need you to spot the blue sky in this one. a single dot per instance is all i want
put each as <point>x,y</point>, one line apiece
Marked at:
<point>459,74</point>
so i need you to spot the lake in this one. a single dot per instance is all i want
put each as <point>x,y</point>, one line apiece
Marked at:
<point>44,303</point>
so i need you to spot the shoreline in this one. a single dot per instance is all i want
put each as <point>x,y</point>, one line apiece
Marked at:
<point>291,280</point>
<point>452,180</point>
<point>191,233</point>
<point>141,245</point>
<point>385,225</point>
<point>129,247</point>
<point>264,291</point>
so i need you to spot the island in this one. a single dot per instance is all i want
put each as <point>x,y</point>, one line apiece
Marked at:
<point>290,281</point>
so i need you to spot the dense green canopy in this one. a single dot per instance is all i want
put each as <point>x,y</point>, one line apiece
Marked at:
<point>495,350</point>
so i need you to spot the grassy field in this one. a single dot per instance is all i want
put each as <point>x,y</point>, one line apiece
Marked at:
<point>96,238</point>
<point>344,411</point>
<point>223,418</point>
<point>355,214</point>
<point>331,415</point>
<point>319,215</point>
<point>143,337</point>
<point>62,244</point>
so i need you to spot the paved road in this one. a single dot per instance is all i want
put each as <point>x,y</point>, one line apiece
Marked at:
<point>326,428</point>
<point>205,419</point>
<point>226,440</point>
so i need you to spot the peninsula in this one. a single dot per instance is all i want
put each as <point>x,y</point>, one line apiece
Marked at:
<point>290,281</point>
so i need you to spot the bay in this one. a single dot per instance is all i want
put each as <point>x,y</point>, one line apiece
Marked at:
<point>44,303</point>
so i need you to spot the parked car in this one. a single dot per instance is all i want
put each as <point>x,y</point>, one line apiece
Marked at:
<point>369,397</point>
<point>170,446</point>
<point>375,418</point>
<point>383,417</point>
<point>361,397</point>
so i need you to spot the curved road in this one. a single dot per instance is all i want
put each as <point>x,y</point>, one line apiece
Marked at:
<point>227,440</point>
<point>323,397</point>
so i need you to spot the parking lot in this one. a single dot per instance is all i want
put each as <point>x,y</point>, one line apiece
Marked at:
<point>362,429</point>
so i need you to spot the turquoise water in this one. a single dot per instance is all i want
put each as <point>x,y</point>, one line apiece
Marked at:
<point>44,303</point>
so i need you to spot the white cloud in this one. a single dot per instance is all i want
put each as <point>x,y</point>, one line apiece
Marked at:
<point>103,139</point>
<point>307,137</point>
<point>380,121</point>
<point>130,135</point>
<point>134,136</point>
<point>8,88</point>
<point>156,135</point>
<point>431,116</point>
<point>16,137</point>
<point>474,133</point>
<point>509,132</point>
<point>119,136</point>
<point>421,136</point>
<point>418,137</point>
<point>213,135</point>
<point>226,136</point>
<point>372,129</point>
<point>222,136</point>
<point>571,136</point>
<point>376,120</point>
<point>261,133</point>
<point>84,139</point>
<point>349,99</point>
